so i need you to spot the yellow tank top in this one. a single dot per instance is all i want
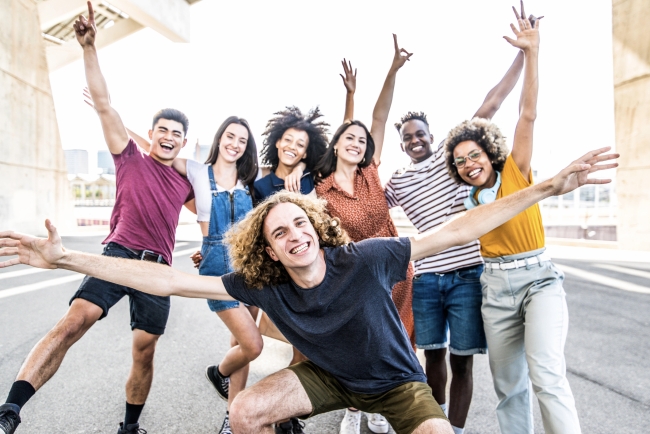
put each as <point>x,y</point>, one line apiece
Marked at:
<point>522,233</point>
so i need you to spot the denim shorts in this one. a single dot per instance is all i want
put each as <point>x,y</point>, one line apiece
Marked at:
<point>216,262</point>
<point>449,302</point>
<point>148,312</point>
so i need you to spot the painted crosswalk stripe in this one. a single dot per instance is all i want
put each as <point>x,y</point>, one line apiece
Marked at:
<point>40,285</point>
<point>625,270</point>
<point>19,273</point>
<point>604,280</point>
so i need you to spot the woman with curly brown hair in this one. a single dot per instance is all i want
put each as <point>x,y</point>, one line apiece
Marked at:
<point>524,308</point>
<point>349,181</point>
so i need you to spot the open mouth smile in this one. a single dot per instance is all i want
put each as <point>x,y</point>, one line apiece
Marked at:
<point>299,249</point>
<point>290,154</point>
<point>475,173</point>
<point>166,146</point>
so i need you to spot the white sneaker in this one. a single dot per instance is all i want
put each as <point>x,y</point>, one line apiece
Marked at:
<point>377,423</point>
<point>351,423</point>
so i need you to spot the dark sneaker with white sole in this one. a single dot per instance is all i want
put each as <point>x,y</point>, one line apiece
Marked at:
<point>132,428</point>
<point>284,428</point>
<point>225,427</point>
<point>9,418</point>
<point>297,425</point>
<point>221,383</point>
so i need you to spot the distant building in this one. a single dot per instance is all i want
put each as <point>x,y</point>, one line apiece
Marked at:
<point>76,161</point>
<point>105,162</point>
<point>201,152</point>
<point>93,190</point>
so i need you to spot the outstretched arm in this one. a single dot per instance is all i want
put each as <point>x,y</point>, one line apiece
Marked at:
<point>498,93</point>
<point>481,220</point>
<point>156,279</point>
<point>528,41</point>
<point>114,132</point>
<point>382,107</point>
<point>350,83</point>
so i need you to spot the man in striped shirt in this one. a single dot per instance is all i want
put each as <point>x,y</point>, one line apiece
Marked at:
<point>446,286</point>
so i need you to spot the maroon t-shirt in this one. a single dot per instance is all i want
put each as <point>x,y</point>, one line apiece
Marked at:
<point>149,199</point>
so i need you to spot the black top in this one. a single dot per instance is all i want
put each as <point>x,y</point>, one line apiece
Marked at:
<point>348,324</point>
<point>266,186</point>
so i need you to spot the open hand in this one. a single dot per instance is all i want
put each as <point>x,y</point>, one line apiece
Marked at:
<point>577,173</point>
<point>350,79</point>
<point>85,29</point>
<point>527,34</point>
<point>401,55</point>
<point>34,251</point>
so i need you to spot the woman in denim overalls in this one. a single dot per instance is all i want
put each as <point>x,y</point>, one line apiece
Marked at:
<point>222,197</point>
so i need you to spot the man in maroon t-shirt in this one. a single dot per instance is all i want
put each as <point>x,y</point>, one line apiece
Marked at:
<point>150,195</point>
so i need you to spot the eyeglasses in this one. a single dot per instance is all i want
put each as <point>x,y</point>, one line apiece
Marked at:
<point>474,156</point>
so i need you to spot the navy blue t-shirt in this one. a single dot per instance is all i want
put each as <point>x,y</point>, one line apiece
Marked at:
<point>266,186</point>
<point>348,324</point>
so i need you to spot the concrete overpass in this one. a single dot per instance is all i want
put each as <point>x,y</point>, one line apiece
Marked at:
<point>631,41</point>
<point>36,37</point>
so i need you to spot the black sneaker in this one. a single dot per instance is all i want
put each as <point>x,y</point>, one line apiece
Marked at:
<point>132,428</point>
<point>284,428</point>
<point>225,428</point>
<point>9,418</point>
<point>297,425</point>
<point>219,382</point>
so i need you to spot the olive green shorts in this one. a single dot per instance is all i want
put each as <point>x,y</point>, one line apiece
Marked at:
<point>405,406</point>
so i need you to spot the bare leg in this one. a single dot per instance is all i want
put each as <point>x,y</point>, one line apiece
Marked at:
<point>462,385</point>
<point>434,426</point>
<point>436,370</point>
<point>141,375</point>
<point>46,357</point>
<point>246,345</point>
<point>277,397</point>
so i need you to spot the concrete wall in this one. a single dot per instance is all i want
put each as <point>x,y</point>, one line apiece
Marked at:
<point>631,33</point>
<point>33,180</point>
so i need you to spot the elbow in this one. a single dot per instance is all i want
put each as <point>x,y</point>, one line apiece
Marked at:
<point>528,115</point>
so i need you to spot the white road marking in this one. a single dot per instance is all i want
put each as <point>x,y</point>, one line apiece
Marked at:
<point>625,270</point>
<point>20,273</point>
<point>181,244</point>
<point>604,280</point>
<point>40,285</point>
<point>58,281</point>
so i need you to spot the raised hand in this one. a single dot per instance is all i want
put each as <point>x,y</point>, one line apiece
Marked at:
<point>37,252</point>
<point>401,55</point>
<point>577,173</point>
<point>85,29</point>
<point>350,79</point>
<point>527,34</point>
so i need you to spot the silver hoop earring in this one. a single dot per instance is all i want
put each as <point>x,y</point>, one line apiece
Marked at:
<point>364,160</point>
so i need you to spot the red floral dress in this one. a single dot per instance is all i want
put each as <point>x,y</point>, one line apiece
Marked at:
<point>365,215</point>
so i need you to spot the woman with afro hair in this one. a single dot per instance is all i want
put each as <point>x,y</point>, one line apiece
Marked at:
<point>293,144</point>
<point>524,308</point>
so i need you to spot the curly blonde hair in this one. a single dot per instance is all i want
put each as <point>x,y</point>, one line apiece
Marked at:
<point>486,134</point>
<point>247,242</point>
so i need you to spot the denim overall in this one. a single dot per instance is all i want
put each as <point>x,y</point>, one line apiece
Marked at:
<point>227,209</point>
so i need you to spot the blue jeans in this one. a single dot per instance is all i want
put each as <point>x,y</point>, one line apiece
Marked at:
<point>449,301</point>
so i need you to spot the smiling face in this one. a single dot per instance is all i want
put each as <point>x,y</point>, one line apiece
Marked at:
<point>351,146</point>
<point>167,140</point>
<point>479,173</point>
<point>232,143</point>
<point>291,237</point>
<point>416,140</point>
<point>292,147</point>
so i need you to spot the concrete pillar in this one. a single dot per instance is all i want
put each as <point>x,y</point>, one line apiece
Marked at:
<point>33,179</point>
<point>632,107</point>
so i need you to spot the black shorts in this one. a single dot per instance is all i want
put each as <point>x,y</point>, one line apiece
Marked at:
<point>148,312</point>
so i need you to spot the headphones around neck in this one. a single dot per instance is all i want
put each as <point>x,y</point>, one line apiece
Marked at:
<point>485,196</point>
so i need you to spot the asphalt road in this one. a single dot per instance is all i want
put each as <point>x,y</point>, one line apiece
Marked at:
<point>607,352</point>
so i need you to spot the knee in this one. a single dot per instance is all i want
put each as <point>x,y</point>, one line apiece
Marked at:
<point>243,414</point>
<point>253,349</point>
<point>143,353</point>
<point>435,356</point>
<point>71,326</point>
<point>461,366</point>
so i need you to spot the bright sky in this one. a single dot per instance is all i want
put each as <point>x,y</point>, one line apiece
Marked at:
<point>252,58</point>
